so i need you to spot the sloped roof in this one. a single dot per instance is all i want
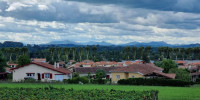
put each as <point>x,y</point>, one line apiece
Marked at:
<point>92,70</point>
<point>46,65</point>
<point>139,68</point>
<point>171,75</point>
<point>196,73</point>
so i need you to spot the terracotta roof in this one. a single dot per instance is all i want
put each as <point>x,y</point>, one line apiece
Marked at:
<point>196,64</point>
<point>61,62</point>
<point>45,65</point>
<point>139,68</point>
<point>92,70</point>
<point>8,70</point>
<point>180,62</point>
<point>39,59</point>
<point>196,73</point>
<point>171,75</point>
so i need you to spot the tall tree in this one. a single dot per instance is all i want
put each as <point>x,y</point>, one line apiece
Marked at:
<point>10,51</point>
<point>134,50</point>
<point>58,52</point>
<point>127,51</point>
<point>24,50</point>
<point>176,51</point>
<point>66,52</point>
<point>17,52</point>
<point>2,63</point>
<point>52,50</point>
<point>80,50</point>
<point>189,52</point>
<point>94,51</point>
<point>182,50</point>
<point>141,51</point>
<point>23,59</point>
<point>196,51</point>
<point>167,64</point>
<point>87,52</point>
<point>74,52</point>
<point>147,51</point>
<point>161,51</point>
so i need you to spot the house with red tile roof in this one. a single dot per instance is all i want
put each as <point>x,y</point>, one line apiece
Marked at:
<point>38,60</point>
<point>40,71</point>
<point>83,71</point>
<point>139,71</point>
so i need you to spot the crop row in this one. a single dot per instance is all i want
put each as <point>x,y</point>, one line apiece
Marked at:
<point>51,93</point>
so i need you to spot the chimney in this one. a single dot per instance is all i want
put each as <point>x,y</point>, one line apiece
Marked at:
<point>54,65</point>
<point>58,65</point>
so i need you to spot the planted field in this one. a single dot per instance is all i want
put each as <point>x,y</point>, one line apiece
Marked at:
<point>165,93</point>
<point>51,93</point>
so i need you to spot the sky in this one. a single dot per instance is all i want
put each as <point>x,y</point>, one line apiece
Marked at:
<point>113,21</point>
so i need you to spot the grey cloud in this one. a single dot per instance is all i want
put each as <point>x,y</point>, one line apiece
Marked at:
<point>165,5</point>
<point>58,12</point>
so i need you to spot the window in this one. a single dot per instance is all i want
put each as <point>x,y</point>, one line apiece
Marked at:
<point>47,75</point>
<point>30,74</point>
<point>118,76</point>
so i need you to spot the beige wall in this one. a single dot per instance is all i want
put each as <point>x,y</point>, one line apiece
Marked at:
<point>124,76</point>
<point>20,73</point>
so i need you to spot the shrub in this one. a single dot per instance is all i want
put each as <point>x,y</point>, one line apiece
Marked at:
<point>98,81</point>
<point>198,81</point>
<point>76,80</point>
<point>154,82</point>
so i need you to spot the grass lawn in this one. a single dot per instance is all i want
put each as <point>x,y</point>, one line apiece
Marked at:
<point>165,93</point>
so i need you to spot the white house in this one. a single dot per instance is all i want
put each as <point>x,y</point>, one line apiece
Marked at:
<point>41,71</point>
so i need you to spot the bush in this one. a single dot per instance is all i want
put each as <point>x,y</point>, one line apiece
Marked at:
<point>154,82</point>
<point>198,81</point>
<point>76,80</point>
<point>98,81</point>
<point>51,93</point>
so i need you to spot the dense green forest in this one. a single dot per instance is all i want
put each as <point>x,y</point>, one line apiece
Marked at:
<point>99,53</point>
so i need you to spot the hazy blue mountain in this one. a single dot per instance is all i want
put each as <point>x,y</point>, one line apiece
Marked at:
<point>66,43</point>
<point>153,44</point>
<point>63,42</point>
<point>103,43</point>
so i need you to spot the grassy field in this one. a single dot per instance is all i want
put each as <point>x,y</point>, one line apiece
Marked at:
<point>165,93</point>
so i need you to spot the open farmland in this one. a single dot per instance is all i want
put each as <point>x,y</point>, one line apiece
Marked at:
<point>165,93</point>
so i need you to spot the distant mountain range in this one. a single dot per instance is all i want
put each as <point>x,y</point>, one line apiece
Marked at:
<point>67,43</point>
<point>103,43</point>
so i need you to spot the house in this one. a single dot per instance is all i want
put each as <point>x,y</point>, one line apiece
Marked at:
<point>40,71</point>
<point>39,60</point>
<point>195,76</point>
<point>12,65</point>
<point>139,71</point>
<point>83,71</point>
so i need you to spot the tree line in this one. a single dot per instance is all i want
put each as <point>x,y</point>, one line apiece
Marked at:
<point>102,53</point>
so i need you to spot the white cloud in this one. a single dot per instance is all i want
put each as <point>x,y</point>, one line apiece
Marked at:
<point>47,20</point>
<point>42,7</point>
<point>15,6</point>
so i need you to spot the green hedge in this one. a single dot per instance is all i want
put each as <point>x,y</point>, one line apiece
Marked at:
<point>50,93</point>
<point>76,80</point>
<point>154,82</point>
<point>198,81</point>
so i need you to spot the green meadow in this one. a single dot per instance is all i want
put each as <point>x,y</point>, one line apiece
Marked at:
<point>165,93</point>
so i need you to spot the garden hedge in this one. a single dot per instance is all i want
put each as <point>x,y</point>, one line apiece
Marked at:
<point>154,82</point>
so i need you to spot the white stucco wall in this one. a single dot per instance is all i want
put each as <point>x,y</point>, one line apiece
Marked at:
<point>20,73</point>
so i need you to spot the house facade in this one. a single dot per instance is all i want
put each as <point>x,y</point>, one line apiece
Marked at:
<point>40,71</point>
<point>139,71</point>
<point>83,71</point>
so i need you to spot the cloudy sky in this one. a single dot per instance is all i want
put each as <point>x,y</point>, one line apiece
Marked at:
<point>113,21</point>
